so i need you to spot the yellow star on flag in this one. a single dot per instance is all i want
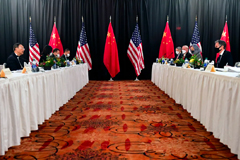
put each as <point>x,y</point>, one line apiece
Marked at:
<point>53,36</point>
<point>109,34</point>
<point>164,34</point>
<point>224,34</point>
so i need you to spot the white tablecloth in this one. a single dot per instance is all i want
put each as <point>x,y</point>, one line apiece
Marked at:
<point>27,100</point>
<point>211,98</point>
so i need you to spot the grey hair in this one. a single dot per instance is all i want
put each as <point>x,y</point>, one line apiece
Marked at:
<point>179,48</point>
<point>185,46</point>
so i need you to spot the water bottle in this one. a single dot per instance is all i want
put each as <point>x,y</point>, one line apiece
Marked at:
<point>186,61</point>
<point>205,63</point>
<point>68,63</point>
<point>54,66</point>
<point>156,60</point>
<point>163,61</point>
<point>34,65</point>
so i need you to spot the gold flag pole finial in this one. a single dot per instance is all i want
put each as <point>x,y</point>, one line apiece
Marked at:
<point>110,19</point>
<point>82,19</point>
<point>226,18</point>
<point>167,18</point>
<point>30,19</point>
<point>196,18</point>
<point>137,19</point>
<point>54,19</point>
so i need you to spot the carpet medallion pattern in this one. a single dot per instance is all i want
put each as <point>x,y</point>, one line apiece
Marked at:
<point>120,120</point>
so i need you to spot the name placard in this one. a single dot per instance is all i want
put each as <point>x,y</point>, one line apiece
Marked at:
<point>27,70</point>
<point>6,73</point>
<point>210,68</point>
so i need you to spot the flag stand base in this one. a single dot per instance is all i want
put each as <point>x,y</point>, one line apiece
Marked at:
<point>110,80</point>
<point>136,79</point>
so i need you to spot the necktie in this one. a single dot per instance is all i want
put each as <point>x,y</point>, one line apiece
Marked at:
<point>219,59</point>
<point>19,62</point>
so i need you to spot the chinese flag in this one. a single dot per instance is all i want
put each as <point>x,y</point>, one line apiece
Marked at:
<point>225,37</point>
<point>110,57</point>
<point>167,46</point>
<point>55,41</point>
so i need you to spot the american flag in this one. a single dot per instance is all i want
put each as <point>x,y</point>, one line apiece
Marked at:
<point>34,52</point>
<point>196,37</point>
<point>135,52</point>
<point>83,49</point>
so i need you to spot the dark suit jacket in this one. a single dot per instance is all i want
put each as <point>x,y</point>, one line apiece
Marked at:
<point>13,63</point>
<point>188,56</point>
<point>178,56</point>
<point>64,57</point>
<point>54,57</point>
<point>223,59</point>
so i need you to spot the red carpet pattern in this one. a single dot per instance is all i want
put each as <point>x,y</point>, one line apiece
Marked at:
<point>120,120</point>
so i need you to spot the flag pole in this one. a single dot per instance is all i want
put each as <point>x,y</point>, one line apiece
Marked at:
<point>82,19</point>
<point>167,18</point>
<point>226,18</point>
<point>137,76</point>
<point>110,77</point>
<point>30,19</point>
<point>196,18</point>
<point>55,20</point>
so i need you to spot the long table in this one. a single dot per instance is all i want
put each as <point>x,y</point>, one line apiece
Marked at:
<point>27,100</point>
<point>211,98</point>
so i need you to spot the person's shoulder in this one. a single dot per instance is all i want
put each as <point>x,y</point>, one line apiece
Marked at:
<point>11,56</point>
<point>227,52</point>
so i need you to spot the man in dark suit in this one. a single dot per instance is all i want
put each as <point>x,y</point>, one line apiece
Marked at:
<point>66,54</point>
<point>55,54</point>
<point>15,61</point>
<point>178,53</point>
<point>225,57</point>
<point>186,54</point>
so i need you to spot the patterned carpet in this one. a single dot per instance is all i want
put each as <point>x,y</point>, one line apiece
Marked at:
<point>120,120</point>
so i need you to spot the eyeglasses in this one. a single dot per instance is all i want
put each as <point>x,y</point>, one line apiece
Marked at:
<point>22,48</point>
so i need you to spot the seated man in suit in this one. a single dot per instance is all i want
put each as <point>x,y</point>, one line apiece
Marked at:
<point>55,54</point>
<point>178,52</point>
<point>186,54</point>
<point>225,57</point>
<point>15,61</point>
<point>66,54</point>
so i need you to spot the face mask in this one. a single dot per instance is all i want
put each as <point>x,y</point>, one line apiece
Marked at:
<point>58,56</point>
<point>68,55</point>
<point>177,52</point>
<point>183,51</point>
<point>220,48</point>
